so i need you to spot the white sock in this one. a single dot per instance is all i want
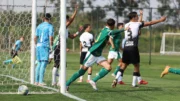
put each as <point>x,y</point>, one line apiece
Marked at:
<point>54,70</point>
<point>89,77</point>
<point>134,80</point>
<point>81,77</point>
<point>139,78</point>
<point>118,75</point>
<point>120,78</point>
<point>59,78</point>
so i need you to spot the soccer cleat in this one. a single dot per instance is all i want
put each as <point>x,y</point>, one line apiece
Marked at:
<point>165,71</point>
<point>142,82</point>
<point>93,84</point>
<point>114,83</point>
<point>121,83</point>
<point>80,81</point>
<point>113,75</point>
<point>136,86</point>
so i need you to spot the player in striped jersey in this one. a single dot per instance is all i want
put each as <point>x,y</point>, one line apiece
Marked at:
<point>86,41</point>
<point>131,52</point>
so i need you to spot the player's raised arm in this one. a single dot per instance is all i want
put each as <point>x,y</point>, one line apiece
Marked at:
<point>70,20</point>
<point>141,16</point>
<point>72,36</point>
<point>162,19</point>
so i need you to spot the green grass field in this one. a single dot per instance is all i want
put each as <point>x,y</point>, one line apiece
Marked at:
<point>158,89</point>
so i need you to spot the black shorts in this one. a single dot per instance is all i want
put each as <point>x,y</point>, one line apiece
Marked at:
<point>14,53</point>
<point>131,55</point>
<point>82,57</point>
<point>57,56</point>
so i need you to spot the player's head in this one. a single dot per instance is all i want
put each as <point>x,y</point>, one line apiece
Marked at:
<point>67,18</point>
<point>22,38</point>
<point>110,23</point>
<point>133,16</point>
<point>120,25</point>
<point>87,27</point>
<point>47,17</point>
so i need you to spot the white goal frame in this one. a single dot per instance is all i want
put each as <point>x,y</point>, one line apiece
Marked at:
<point>163,43</point>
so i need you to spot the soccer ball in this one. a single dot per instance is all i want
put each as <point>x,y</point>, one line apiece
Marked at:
<point>23,90</point>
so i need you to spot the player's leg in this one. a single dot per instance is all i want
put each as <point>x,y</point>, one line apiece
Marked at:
<point>82,57</point>
<point>7,61</point>
<point>121,71</point>
<point>111,59</point>
<point>169,69</point>
<point>56,64</point>
<point>44,56</point>
<point>88,61</point>
<point>89,74</point>
<point>37,70</point>
<point>118,56</point>
<point>103,72</point>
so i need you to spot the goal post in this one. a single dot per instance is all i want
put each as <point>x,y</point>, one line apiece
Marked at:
<point>170,43</point>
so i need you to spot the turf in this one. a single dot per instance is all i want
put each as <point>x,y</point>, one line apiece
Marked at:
<point>158,89</point>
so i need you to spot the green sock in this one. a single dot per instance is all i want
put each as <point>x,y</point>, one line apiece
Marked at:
<point>174,70</point>
<point>116,70</point>
<point>101,74</point>
<point>75,76</point>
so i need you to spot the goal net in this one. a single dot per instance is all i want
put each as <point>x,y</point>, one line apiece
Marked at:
<point>15,23</point>
<point>170,43</point>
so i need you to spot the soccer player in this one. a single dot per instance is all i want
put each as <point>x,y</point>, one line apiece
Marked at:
<point>57,46</point>
<point>94,55</point>
<point>169,69</point>
<point>131,52</point>
<point>14,52</point>
<point>86,41</point>
<point>114,53</point>
<point>44,42</point>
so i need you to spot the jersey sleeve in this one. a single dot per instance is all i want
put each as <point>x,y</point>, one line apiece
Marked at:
<point>17,42</point>
<point>114,32</point>
<point>141,24</point>
<point>37,31</point>
<point>51,31</point>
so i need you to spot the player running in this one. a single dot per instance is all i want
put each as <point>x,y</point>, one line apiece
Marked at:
<point>114,53</point>
<point>94,55</point>
<point>86,41</point>
<point>44,42</point>
<point>14,52</point>
<point>57,46</point>
<point>131,52</point>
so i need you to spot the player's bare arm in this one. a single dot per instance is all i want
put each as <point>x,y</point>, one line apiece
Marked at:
<point>162,19</point>
<point>141,16</point>
<point>111,42</point>
<point>72,17</point>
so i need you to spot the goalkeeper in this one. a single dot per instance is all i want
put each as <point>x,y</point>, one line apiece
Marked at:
<point>14,52</point>
<point>44,41</point>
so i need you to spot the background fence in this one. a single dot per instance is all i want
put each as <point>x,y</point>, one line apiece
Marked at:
<point>15,21</point>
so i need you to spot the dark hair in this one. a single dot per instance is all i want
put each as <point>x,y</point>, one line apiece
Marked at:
<point>132,15</point>
<point>110,22</point>
<point>67,16</point>
<point>47,16</point>
<point>120,24</point>
<point>86,26</point>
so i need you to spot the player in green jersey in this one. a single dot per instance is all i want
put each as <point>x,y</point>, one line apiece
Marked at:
<point>94,55</point>
<point>114,53</point>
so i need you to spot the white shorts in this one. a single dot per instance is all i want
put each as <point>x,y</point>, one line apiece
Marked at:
<point>51,55</point>
<point>114,55</point>
<point>91,59</point>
